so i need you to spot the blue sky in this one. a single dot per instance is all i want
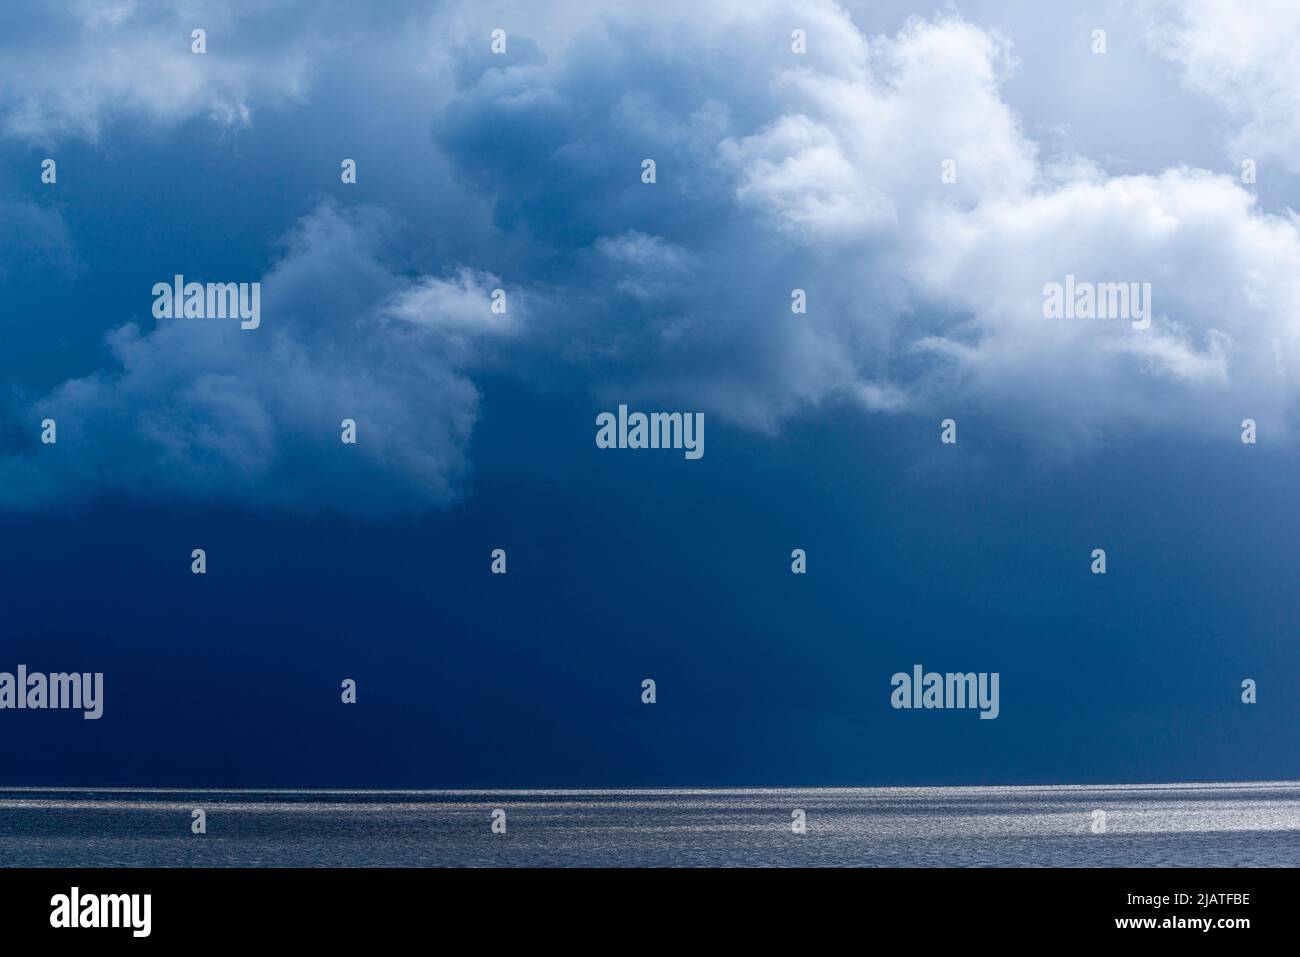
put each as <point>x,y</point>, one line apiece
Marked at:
<point>775,171</point>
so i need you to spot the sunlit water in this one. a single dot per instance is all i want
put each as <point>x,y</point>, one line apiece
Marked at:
<point>1183,825</point>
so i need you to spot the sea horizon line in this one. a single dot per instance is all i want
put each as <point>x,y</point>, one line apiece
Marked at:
<point>650,789</point>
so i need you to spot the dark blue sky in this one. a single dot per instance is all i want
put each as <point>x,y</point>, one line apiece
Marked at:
<point>677,571</point>
<point>371,562</point>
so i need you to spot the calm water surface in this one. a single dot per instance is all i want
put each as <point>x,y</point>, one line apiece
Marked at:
<point>1255,824</point>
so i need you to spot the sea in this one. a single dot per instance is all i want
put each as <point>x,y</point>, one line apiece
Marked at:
<point>1253,824</point>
